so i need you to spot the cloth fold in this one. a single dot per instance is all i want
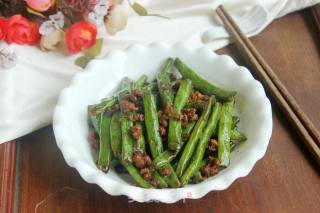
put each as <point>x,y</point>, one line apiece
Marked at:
<point>29,91</point>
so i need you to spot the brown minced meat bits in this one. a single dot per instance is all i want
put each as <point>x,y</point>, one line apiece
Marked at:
<point>113,109</point>
<point>155,183</point>
<point>136,132</point>
<point>141,160</point>
<point>164,117</point>
<point>191,113</point>
<point>165,172</point>
<point>197,96</point>
<point>211,168</point>
<point>146,173</point>
<point>212,145</point>
<point>169,110</point>
<point>144,163</point>
<point>133,102</point>
<point>185,137</point>
<point>93,138</point>
<point>129,107</point>
<point>188,115</point>
<point>139,117</point>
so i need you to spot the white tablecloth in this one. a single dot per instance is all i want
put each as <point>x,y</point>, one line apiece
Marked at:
<point>28,92</point>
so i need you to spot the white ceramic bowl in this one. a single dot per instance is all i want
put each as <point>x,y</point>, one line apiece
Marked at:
<point>103,76</point>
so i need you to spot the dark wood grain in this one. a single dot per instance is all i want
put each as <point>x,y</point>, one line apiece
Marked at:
<point>285,180</point>
<point>8,176</point>
<point>1,165</point>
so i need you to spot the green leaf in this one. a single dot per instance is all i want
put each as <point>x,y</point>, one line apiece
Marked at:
<point>142,11</point>
<point>82,61</point>
<point>160,16</point>
<point>90,54</point>
<point>139,9</point>
<point>36,13</point>
<point>95,50</point>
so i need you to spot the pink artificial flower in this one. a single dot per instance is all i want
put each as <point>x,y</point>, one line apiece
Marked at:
<point>40,5</point>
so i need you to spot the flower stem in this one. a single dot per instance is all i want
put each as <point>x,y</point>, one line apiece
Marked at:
<point>158,15</point>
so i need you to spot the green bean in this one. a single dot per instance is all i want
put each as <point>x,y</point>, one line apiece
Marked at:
<point>166,156</point>
<point>105,154</point>
<point>140,84</point>
<point>194,138</point>
<point>97,109</point>
<point>134,172</point>
<point>140,144</point>
<point>187,131</point>
<point>171,179</point>
<point>201,84</point>
<point>115,132</point>
<point>94,120</point>
<point>224,133</point>
<point>197,177</point>
<point>235,121</point>
<point>152,123</point>
<point>237,136</point>
<point>140,147</point>
<point>125,84</point>
<point>199,105</point>
<point>234,144</point>
<point>162,182</point>
<point>164,83</point>
<point>141,80</point>
<point>133,86</point>
<point>163,161</point>
<point>153,87</point>
<point>174,136</point>
<point>200,150</point>
<point>127,141</point>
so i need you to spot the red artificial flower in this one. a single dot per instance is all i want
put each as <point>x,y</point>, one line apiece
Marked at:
<point>22,31</point>
<point>81,36</point>
<point>3,28</point>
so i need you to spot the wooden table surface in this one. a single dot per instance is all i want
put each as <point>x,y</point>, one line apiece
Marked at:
<point>285,180</point>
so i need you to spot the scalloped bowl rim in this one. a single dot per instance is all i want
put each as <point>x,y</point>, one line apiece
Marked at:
<point>92,175</point>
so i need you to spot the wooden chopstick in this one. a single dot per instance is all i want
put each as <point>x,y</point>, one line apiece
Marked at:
<point>316,15</point>
<point>259,68</point>
<point>286,94</point>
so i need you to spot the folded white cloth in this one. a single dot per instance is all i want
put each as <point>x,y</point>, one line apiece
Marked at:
<point>28,91</point>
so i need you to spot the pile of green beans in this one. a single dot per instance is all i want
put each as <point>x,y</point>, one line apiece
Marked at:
<point>175,151</point>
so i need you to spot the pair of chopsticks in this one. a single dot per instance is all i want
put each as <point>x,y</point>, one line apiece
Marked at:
<point>299,120</point>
